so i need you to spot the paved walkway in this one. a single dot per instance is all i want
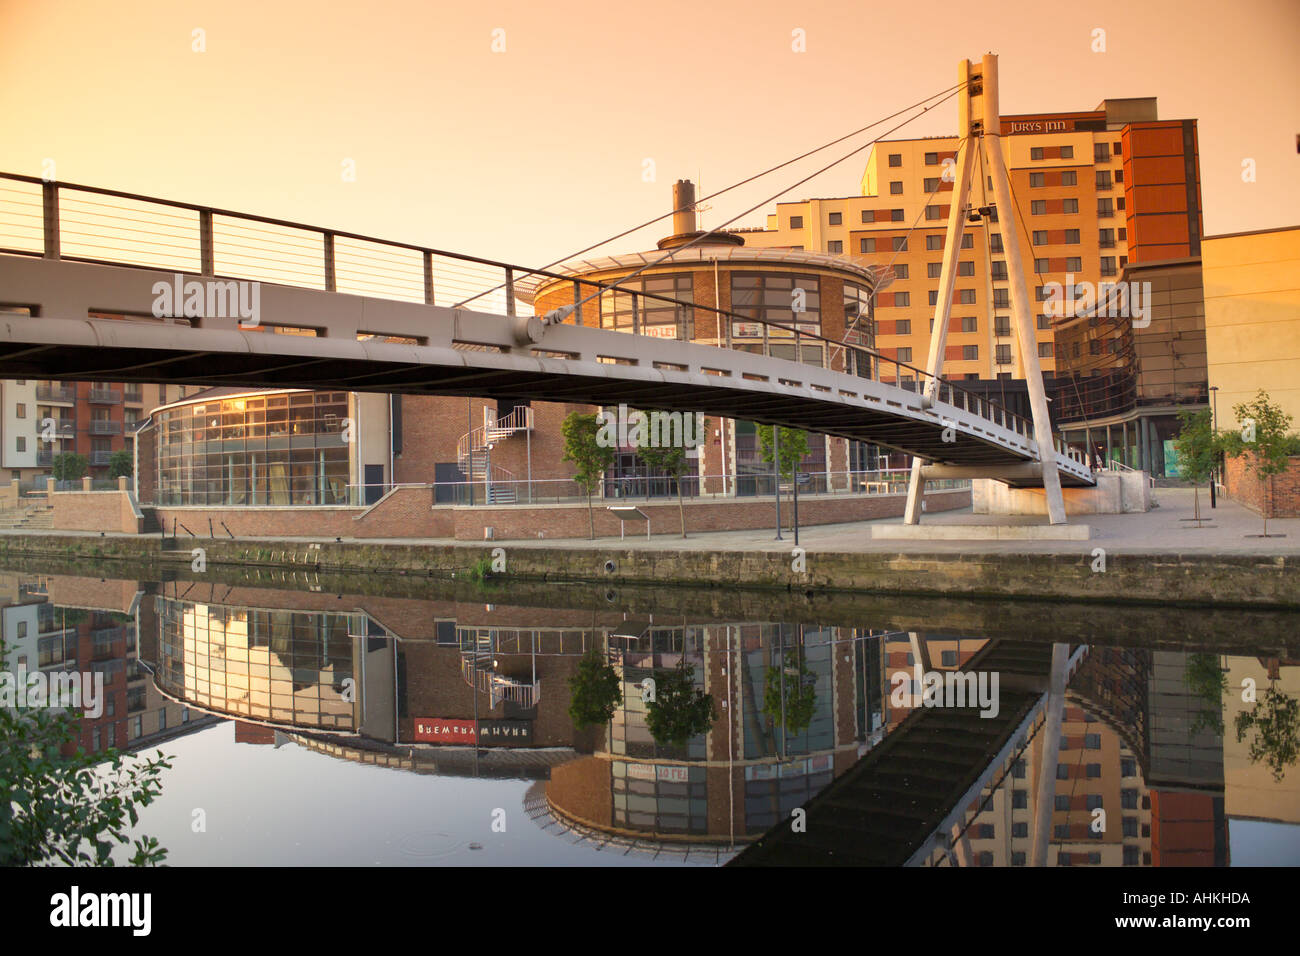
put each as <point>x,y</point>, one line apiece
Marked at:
<point>1227,530</point>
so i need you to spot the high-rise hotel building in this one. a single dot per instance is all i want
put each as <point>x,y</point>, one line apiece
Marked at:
<point>1095,191</point>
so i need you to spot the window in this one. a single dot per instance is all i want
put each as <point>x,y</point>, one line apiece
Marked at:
<point>1019,799</point>
<point>1037,180</point>
<point>995,242</point>
<point>1103,179</point>
<point>969,323</point>
<point>1073,264</point>
<point>1038,207</point>
<point>900,270</point>
<point>903,327</point>
<point>932,159</point>
<point>1072,237</point>
<point>895,215</point>
<point>1018,858</point>
<point>1094,771</point>
<point>1062,832</point>
<point>1036,152</point>
<point>1130,825</point>
<point>1127,767</point>
<point>1117,148</point>
<point>21,443</point>
<point>1070,206</point>
<point>933,270</point>
<point>966,296</point>
<point>902,298</point>
<point>1106,238</point>
<point>1119,175</point>
<point>866,245</point>
<point>1131,855</point>
<point>1044,322</point>
<point>836,218</point>
<point>1040,237</point>
<point>1001,325</point>
<point>934,297</point>
<point>1044,349</point>
<point>933,242</point>
<point>796,222</point>
<point>999,270</point>
<point>1092,741</point>
<point>985,831</point>
<point>1101,152</point>
<point>931,185</point>
<point>896,188</point>
<point>1061,801</point>
<point>966,268</point>
<point>1067,152</point>
<point>900,243</point>
<point>1069,178</point>
<point>1105,207</point>
<point>1004,358</point>
<point>1019,830</point>
<point>967,241</point>
<point>933,212</point>
<point>868,215</point>
<point>1001,299</point>
<point>21,410</point>
<point>970,353</point>
<point>895,159</point>
<point>1042,265</point>
<point>905,355</point>
<point>770,297</point>
<point>835,245</point>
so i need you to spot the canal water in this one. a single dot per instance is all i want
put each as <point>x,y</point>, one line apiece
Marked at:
<point>394,720</point>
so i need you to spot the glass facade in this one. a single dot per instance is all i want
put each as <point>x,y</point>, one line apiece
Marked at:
<point>286,667</point>
<point>656,317</point>
<point>285,448</point>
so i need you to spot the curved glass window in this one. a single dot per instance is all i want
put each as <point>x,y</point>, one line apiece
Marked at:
<point>271,449</point>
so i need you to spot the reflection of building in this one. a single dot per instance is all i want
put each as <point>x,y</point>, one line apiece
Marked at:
<point>1253,791</point>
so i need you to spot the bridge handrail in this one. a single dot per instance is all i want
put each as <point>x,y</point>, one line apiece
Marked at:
<point>50,217</point>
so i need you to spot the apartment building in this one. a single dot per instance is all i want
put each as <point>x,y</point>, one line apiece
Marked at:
<point>1094,192</point>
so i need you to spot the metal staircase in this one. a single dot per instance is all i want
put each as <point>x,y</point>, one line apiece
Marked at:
<point>478,668</point>
<point>474,452</point>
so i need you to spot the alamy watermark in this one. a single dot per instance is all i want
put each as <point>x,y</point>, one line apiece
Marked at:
<point>209,299</point>
<point>77,691</point>
<point>946,689</point>
<point>637,429</point>
<point>1110,299</point>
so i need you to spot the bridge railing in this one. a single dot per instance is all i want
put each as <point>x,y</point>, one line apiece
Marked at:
<point>91,224</point>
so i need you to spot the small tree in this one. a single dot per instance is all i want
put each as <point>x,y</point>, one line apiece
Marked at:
<point>120,464</point>
<point>793,449</point>
<point>799,685</point>
<point>584,449</point>
<point>679,711</point>
<point>594,691</point>
<point>1275,721</point>
<point>1198,452</point>
<point>672,460</point>
<point>1263,440</point>
<point>68,810</point>
<point>69,466</point>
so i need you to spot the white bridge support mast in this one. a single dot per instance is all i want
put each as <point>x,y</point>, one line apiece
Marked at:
<point>947,280</point>
<point>984,131</point>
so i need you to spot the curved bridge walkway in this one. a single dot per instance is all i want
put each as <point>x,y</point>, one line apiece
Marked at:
<point>64,307</point>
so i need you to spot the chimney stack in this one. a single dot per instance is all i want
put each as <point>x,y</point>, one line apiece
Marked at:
<point>683,207</point>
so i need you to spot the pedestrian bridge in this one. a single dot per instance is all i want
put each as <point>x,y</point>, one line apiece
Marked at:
<point>76,309</point>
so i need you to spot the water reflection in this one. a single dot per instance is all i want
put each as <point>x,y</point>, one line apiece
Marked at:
<point>1150,753</point>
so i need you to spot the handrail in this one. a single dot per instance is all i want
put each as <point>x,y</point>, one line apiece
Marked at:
<point>984,407</point>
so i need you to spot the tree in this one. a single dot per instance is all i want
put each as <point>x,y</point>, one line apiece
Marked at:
<point>679,711</point>
<point>1263,440</point>
<point>120,464</point>
<point>672,460</point>
<point>1276,722</point>
<point>594,691</point>
<point>69,466</point>
<point>799,685</point>
<point>793,449</point>
<point>1208,681</point>
<point>71,810</point>
<point>1198,452</point>
<point>590,457</point>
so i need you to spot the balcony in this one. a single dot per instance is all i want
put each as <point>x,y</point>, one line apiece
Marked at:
<point>56,393</point>
<point>105,396</point>
<point>105,427</point>
<point>99,459</point>
<point>134,396</point>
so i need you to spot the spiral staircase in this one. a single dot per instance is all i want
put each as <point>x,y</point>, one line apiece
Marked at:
<point>474,452</point>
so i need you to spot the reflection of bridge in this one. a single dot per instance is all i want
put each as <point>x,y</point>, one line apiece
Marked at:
<point>71,291</point>
<point>903,796</point>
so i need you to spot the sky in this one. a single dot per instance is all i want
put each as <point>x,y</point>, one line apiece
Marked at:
<point>529,151</point>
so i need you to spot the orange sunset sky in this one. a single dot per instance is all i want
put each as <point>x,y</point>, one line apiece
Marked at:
<point>527,155</point>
